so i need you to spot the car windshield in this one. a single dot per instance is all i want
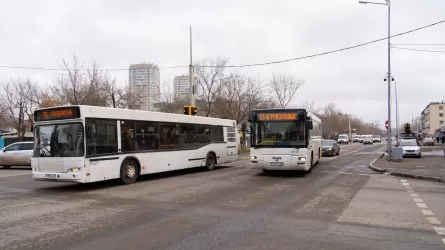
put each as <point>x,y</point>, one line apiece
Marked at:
<point>408,143</point>
<point>60,140</point>
<point>327,143</point>
<point>280,134</point>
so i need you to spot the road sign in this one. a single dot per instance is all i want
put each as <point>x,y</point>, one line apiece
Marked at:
<point>386,124</point>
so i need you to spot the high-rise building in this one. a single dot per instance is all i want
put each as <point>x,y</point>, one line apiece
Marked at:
<point>181,88</point>
<point>432,117</point>
<point>144,79</point>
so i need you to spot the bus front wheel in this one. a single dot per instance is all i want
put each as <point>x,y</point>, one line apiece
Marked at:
<point>129,172</point>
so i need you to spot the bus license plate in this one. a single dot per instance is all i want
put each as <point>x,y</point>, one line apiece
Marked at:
<point>276,164</point>
<point>50,176</point>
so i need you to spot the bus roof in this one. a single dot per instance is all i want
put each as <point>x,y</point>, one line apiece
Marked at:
<point>141,115</point>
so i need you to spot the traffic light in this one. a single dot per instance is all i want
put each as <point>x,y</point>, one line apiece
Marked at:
<point>186,110</point>
<point>192,110</point>
<point>407,128</point>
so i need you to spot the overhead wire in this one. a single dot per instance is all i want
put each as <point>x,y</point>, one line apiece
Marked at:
<point>420,50</point>
<point>327,52</point>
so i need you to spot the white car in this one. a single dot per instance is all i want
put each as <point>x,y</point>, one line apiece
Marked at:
<point>410,148</point>
<point>343,139</point>
<point>16,154</point>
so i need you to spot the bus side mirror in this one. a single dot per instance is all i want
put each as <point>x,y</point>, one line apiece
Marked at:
<point>310,125</point>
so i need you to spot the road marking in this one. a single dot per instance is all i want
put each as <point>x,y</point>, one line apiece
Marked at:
<point>421,205</point>
<point>332,172</point>
<point>440,230</point>
<point>418,200</point>
<point>434,222</point>
<point>333,158</point>
<point>427,212</point>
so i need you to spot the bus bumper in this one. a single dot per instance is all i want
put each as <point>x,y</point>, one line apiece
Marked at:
<point>303,166</point>
<point>77,177</point>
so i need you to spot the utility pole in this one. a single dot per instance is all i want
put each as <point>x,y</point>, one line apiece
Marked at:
<point>192,85</point>
<point>20,127</point>
<point>397,114</point>
<point>349,127</point>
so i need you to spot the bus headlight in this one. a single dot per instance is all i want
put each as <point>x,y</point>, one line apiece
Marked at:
<point>74,170</point>
<point>301,158</point>
<point>253,158</point>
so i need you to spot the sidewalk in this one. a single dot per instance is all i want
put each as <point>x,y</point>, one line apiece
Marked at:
<point>430,167</point>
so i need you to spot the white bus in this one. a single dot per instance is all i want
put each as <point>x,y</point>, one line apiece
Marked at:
<point>285,139</point>
<point>88,144</point>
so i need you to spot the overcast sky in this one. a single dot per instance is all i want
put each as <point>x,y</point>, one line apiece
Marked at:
<point>119,33</point>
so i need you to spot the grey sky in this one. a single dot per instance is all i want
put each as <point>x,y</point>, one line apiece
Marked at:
<point>119,33</point>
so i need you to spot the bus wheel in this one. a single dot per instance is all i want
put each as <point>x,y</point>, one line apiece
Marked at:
<point>210,161</point>
<point>312,163</point>
<point>129,172</point>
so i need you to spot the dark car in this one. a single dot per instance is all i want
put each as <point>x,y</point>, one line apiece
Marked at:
<point>330,147</point>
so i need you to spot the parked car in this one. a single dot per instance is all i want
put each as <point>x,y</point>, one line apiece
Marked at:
<point>367,139</point>
<point>410,148</point>
<point>16,154</point>
<point>330,147</point>
<point>361,138</point>
<point>356,139</point>
<point>428,141</point>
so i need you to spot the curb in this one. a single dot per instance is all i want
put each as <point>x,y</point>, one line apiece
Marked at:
<point>377,169</point>
<point>421,177</point>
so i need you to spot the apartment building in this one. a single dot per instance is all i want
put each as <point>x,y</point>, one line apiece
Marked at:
<point>432,117</point>
<point>144,79</point>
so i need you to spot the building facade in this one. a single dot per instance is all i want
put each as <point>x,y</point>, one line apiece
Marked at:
<point>144,81</point>
<point>181,88</point>
<point>432,118</point>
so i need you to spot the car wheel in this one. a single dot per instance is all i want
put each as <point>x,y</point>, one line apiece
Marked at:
<point>6,167</point>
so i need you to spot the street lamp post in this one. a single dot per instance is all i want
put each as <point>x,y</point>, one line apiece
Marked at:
<point>387,3</point>
<point>397,113</point>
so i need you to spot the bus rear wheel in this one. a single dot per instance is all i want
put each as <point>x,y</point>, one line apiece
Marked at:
<point>129,172</point>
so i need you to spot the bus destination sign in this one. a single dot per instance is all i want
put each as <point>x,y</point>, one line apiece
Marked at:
<point>57,114</point>
<point>278,117</point>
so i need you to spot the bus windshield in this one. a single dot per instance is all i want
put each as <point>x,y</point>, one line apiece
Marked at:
<point>59,140</point>
<point>279,133</point>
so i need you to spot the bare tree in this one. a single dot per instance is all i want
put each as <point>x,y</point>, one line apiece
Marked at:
<point>209,76</point>
<point>285,87</point>
<point>125,97</point>
<point>82,84</point>
<point>18,100</point>
<point>167,104</point>
<point>310,106</point>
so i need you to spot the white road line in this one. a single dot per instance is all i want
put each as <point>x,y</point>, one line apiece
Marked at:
<point>405,184</point>
<point>421,205</point>
<point>418,200</point>
<point>435,223</point>
<point>440,230</point>
<point>427,212</point>
<point>434,220</point>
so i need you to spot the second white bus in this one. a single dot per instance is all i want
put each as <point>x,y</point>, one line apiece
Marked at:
<point>285,139</point>
<point>89,144</point>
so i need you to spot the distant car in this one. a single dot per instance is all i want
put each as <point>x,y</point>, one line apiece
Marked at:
<point>361,138</point>
<point>343,139</point>
<point>330,147</point>
<point>16,154</point>
<point>356,139</point>
<point>410,148</point>
<point>428,141</point>
<point>376,138</point>
<point>367,139</point>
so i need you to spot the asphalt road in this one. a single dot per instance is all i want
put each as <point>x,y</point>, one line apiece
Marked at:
<point>340,205</point>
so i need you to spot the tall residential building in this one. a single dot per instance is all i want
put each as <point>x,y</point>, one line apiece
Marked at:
<point>432,117</point>
<point>181,88</point>
<point>144,79</point>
